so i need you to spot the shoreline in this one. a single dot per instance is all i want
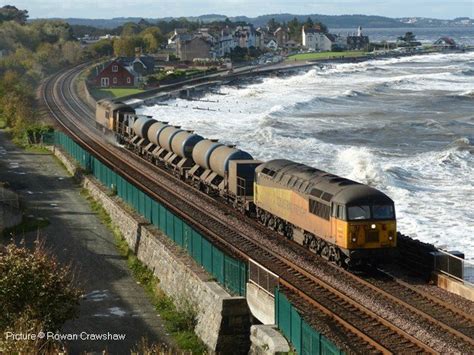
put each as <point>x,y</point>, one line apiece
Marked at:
<point>247,75</point>
<point>250,80</point>
<point>195,87</point>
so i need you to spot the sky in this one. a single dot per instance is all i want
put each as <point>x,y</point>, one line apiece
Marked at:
<point>445,9</point>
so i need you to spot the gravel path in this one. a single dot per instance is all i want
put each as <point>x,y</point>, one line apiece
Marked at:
<point>113,302</point>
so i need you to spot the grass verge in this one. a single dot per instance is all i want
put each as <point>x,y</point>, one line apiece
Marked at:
<point>180,324</point>
<point>113,92</point>
<point>327,55</point>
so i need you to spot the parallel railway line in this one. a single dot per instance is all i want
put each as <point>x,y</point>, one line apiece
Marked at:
<point>370,331</point>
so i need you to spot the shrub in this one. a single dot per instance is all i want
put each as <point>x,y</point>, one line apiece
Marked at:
<point>34,286</point>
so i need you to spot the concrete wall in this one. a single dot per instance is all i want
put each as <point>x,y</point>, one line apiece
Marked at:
<point>267,340</point>
<point>223,321</point>
<point>454,286</point>
<point>261,304</point>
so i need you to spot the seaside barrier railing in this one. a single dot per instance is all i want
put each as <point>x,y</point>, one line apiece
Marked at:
<point>454,266</point>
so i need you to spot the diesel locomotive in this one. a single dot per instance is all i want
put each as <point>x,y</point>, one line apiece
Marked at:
<point>342,220</point>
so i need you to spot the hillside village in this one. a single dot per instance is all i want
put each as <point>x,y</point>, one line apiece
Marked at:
<point>187,51</point>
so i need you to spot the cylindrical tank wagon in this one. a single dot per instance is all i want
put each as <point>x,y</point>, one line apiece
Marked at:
<point>223,170</point>
<point>202,152</point>
<point>155,131</point>
<point>141,126</point>
<point>221,156</point>
<point>167,136</point>
<point>184,142</point>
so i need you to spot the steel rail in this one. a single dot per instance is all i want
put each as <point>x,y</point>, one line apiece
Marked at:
<point>67,113</point>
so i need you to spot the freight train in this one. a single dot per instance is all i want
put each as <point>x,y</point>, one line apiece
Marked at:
<point>344,221</point>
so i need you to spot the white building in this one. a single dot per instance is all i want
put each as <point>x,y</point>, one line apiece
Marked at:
<point>244,36</point>
<point>316,40</point>
<point>225,43</point>
<point>272,45</point>
<point>174,37</point>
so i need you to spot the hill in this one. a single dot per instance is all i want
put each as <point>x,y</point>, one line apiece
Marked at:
<point>332,21</point>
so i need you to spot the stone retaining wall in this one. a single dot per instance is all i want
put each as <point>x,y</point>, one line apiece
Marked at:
<point>223,321</point>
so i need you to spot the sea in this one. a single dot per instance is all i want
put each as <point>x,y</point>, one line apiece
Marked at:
<point>403,125</point>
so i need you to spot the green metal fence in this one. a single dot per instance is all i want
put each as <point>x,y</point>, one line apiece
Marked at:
<point>79,154</point>
<point>228,271</point>
<point>304,338</point>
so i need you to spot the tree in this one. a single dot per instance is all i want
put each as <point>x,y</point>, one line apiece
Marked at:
<point>11,13</point>
<point>71,52</point>
<point>272,25</point>
<point>150,42</point>
<point>35,286</point>
<point>152,39</point>
<point>309,23</point>
<point>130,29</point>
<point>101,48</point>
<point>125,46</point>
<point>15,100</point>
<point>294,28</point>
<point>52,31</point>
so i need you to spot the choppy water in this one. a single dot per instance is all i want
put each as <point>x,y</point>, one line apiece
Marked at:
<point>462,35</point>
<point>405,126</point>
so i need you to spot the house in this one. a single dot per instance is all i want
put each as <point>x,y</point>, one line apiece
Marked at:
<point>87,39</point>
<point>116,74</point>
<point>225,43</point>
<point>261,35</point>
<point>357,42</point>
<point>244,36</point>
<point>282,36</point>
<point>196,47</point>
<point>174,37</point>
<point>141,64</point>
<point>339,42</point>
<point>315,39</point>
<point>205,34</point>
<point>445,42</point>
<point>271,44</point>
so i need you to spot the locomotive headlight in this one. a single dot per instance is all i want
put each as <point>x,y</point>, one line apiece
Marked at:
<point>354,240</point>
<point>390,238</point>
<point>373,226</point>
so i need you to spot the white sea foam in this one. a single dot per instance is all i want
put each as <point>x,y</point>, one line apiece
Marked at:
<point>387,130</point>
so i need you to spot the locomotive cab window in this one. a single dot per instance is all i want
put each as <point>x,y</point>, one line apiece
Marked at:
<point>383,212</point>
<point>358,212</point>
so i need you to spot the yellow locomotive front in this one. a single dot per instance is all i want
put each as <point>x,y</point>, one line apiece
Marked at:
<point>365,226</point>
<point>340,219</point>
<point>364,222</point>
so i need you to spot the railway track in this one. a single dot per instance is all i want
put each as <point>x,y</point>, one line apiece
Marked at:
<point>369,331</point>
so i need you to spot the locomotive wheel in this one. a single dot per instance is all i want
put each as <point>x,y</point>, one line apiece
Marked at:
<point>325,251</point>
<point>271,223</point>
<point>281,228</point>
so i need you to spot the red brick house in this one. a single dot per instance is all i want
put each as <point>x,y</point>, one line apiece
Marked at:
<point>116,74</point>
